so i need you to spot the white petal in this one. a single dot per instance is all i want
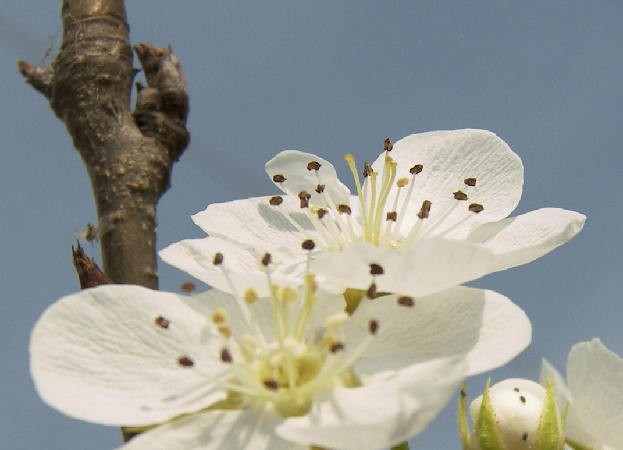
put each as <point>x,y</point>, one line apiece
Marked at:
<point>292,164</point>
<point>482,327</point>
<point>595,376</point>
<point>100,356</point>
<point>519,240</point>
<point>433,265</point>
<point>250,429</point>
<point>254,222</point>
<point>381,414</point>
<point>195,256</point>
<point>561,391</point>
<point>449,157</point>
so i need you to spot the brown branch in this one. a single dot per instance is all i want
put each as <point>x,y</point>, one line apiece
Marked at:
<point>129,157</point>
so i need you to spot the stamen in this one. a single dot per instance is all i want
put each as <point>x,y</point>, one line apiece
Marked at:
<point>266,259</point>
<point>470,181</point>
<point>304,196</point>
<point>276,200</point>
<point>392,216</point>
<point>376,269</point>
<point>162,322</point>
<point>185,361</point>
<point>320,188</point>
<point>424,210</point>
<point>271,384</point>
<point>402,182</point>
<point>416,169</point>
<point>308,245</point>
<point>314,165</point>
<point>388,145</point>
<point>219,316</point>
<point>250,295</point>
<point>371,292</point>
<point>218,259</point>
<point>367,170</point>
<point>406,301</point>
<point>188,287</point>
<point>279,178</point>
<point>524,436</point>
<point>460,195</point>
<point>226,356</point>
<point>337,347</point>
<point>373,327</point>
<point>476,207</point>
<point>344,209</point>
<point>225,331</point>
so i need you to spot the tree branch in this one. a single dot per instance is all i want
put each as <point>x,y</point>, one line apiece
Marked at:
<point>128,156</point>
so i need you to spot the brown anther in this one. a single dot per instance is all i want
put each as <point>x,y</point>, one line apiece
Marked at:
<point>276,200</point>
<point>373,327</point>
<point>376,269</point>
<point>218,259</point>
<point>338,346</point>
<point>266,259</point>
<point>225,331</point>
<point>279,178</point>
<point>388,145</point>
<point>424,210</point>
<point>320,188</point>
<point>304,196</point>
<point>226,356</point>
<point>308,245</point>
<point>313,165</point>
<point>416,169</point>
<point>185,361</point>
<point>367,170</point>
<point>344,209</point>
<point>460,195</point>
<point>321,212</point>
<point>392,215</point>
<point>476,207</point>
<point>188,287</point>
<point>371,292</point>
<point>524,437</point>
<point>406,301</point>
<point>271,384</point>
<point>162,322</point>
<point>470,181</point>
<point>522,399</point>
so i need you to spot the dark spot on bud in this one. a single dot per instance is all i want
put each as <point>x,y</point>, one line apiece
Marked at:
<point>320,188</point>
<point>516,389</point>
<point>522,399</point>
<point>416,169</point>
<point>373,327</point>
<point>376,269</point>
<point>476,207</point>
<point>226,356</point>
<point>338,346</point>
<point>308,245</point>
<point>271,384</point>
<point>276,200</point>
<point>185,361</point>
<point>367,170</point>
<point>388,145</point>
<point>470,181</point>
<point>321,212</point>
<point>392,215</point>
<point>313,165</point>
<point>304,196</point>
<point>524,436</point>
<point>371,292</point>
<point>162,322</point>
<point>344,209</point>
<point>463,393</point>
<point>188,287</point>
<point>460,195</point>
<point>218,259</point>
<point>424,210</point>
<point>279,178</point>
<point>266,259</point>
<point>406,301</point>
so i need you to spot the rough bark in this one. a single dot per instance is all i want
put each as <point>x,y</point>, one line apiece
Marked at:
<point>129,156</point>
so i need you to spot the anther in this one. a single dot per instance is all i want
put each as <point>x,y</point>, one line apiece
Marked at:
<point>524,436</point>
<point>185,361</point>
<point>279,178</point>
<point>373,327</point>
<point>522,399</point>
<point>266,259</point>
<point>162,322</point>
<point>460,195</point>
<point>218,259</point>
<point>276,200</point>
<point>320,212</point>
<point>338,346</point>
<point>250,295</point>
<point>344,209</point>
<point>476,207</point>
<point>320,188</point>
<point>219,316</point>
<point>271,384</point>
<point>226,356</point>
<point>516,389</point>
<point>188,287</point>
<point>304,196</point>
<point>392,215</point>
<point>406,301</point>
<point>416,169</point>
<point>371,292</point>
<point>402,182</point>
<point>424,210</point>
<point>367,170</point>
<point>376,269</point>
<point>225,331</point>
<point>313,165</point>
<point>470,181</point>
<point>388,145</point>
<point>308,245</point>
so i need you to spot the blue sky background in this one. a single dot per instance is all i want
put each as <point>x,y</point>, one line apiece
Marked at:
<point>330,77</point>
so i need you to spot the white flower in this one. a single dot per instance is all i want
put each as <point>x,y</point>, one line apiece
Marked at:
<point>288,371</point>
<point>595,396</point>
<point>431,212</point>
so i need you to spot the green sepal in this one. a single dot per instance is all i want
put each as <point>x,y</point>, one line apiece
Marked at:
<point>403,446</point>
<point>352,298</point>
<point>463,426</point>
<point>486,429</point>
<point>549,434</point>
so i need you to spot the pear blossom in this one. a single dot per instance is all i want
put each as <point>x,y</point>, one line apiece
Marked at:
<point>432,210</point>
<point>594,392</point>
<point>219,370</point>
